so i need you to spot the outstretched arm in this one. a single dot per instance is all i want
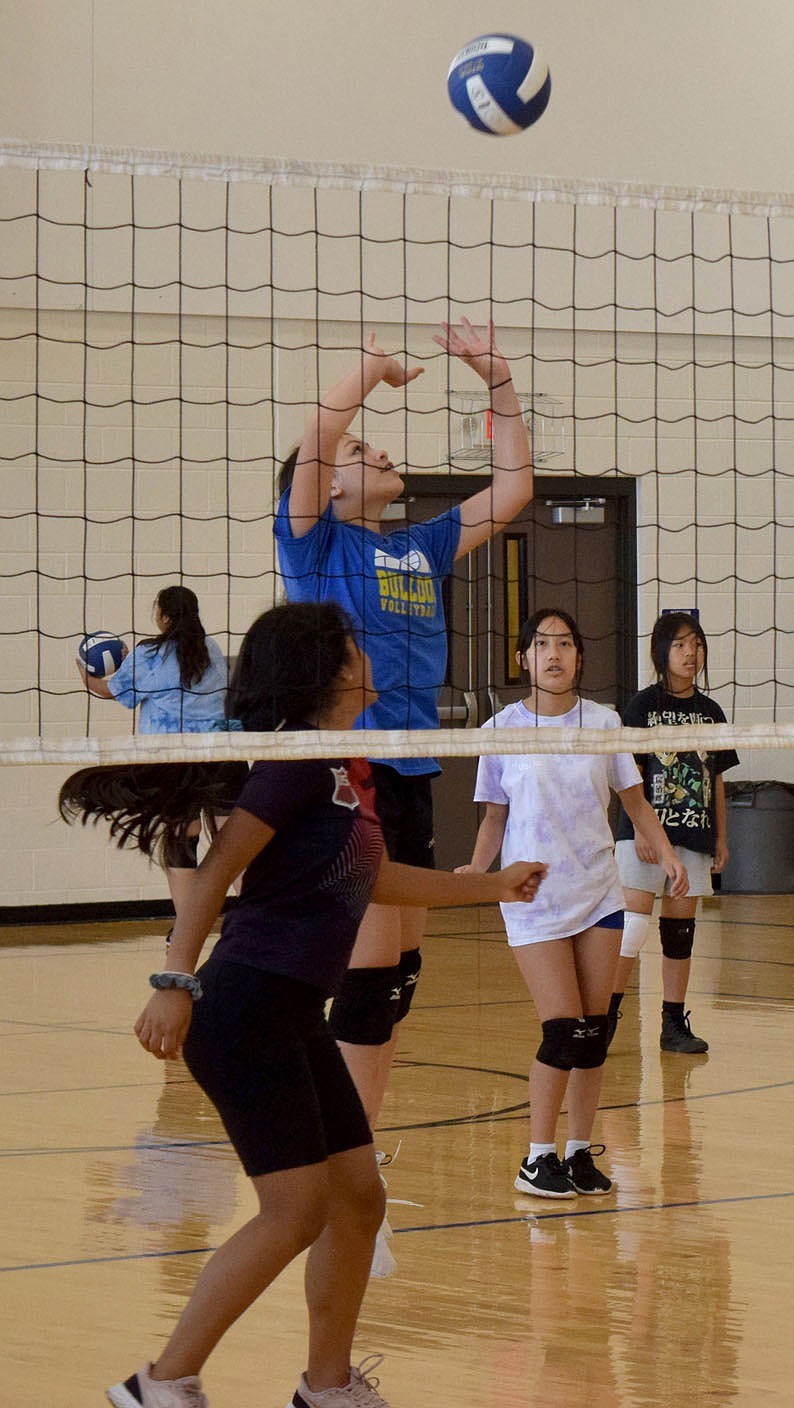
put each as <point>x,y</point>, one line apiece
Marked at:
<point>512,485</point>
<point>314,469</point>
<point>408,884</point>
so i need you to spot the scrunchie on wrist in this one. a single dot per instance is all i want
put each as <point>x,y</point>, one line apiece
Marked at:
<point>188,981</point>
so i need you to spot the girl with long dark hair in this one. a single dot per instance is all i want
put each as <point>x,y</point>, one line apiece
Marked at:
<point>177,679</point>
<point>251,1021</point>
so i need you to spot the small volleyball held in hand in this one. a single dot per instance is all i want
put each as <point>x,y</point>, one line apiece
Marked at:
<point>101,653</point>
<point>499,83</point>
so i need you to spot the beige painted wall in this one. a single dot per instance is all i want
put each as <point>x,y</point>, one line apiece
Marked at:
<point>679,93</point>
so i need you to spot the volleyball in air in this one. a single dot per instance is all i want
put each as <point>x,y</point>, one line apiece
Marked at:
<point>499,83</point>
<point>101,653</point>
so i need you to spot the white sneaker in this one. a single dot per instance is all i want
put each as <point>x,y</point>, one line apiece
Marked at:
<point>383,1262</point>
<point>360,1392</point>
<point>141,1391</point>
<point>382,1158</point>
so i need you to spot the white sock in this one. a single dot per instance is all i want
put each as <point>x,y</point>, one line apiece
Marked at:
<point>536,1151</point>
<point>574,1145</point>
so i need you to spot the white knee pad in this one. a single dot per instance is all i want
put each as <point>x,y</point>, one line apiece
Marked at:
<point>635,932</point>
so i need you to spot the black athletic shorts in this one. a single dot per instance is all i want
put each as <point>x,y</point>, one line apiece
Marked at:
<point>405,811</point>
<point>260,1047</point>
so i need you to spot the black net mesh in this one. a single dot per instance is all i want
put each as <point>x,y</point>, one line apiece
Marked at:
<point>163,336</point>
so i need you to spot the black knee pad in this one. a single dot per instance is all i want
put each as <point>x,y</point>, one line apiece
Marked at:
<point>678,936</point>
<point>410,968</point>
<point>563,1041</point>
<point>180,851</point>
<point>364,1010</point>
<point>593,1050</point>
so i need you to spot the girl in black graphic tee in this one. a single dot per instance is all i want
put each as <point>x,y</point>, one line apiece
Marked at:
<point>687,793</point>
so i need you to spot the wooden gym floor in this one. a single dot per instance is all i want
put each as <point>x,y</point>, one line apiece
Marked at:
<point>674,1290</point>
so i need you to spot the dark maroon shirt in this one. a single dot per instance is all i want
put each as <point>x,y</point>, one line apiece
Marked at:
<point>304,895</point>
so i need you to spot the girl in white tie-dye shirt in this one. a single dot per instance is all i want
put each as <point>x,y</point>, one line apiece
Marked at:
<point>566,944</point>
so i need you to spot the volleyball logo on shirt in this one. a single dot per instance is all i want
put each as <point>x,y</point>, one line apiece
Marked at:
<point>405,583</point>
<point>345,794</point>
<point>413,561</point>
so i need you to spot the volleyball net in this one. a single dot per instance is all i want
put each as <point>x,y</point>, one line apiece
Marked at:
<point>167,324</point>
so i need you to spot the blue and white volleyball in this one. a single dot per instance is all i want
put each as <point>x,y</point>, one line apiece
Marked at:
<point>101,653</point>
<point>499,83</point>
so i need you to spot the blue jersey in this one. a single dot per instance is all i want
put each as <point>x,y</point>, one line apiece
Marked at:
<point>390,586</point>
<point>149,676</point>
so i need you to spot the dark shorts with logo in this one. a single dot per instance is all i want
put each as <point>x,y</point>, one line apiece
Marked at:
<point>405,811</point>
<point>260,1047</point>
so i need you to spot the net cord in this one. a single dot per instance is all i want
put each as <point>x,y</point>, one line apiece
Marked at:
<point>272,171</point>
<point>391,743</point>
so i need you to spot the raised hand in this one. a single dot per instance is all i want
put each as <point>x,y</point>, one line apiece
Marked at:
<point>391,371</point>
<point>477,348</point>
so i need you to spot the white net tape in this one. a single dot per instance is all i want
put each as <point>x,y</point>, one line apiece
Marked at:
<point>441,743</point>
<point>204,166</point>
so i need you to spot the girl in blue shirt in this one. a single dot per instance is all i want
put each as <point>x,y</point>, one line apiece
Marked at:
<point>178,679</point>
<point>333,544</point>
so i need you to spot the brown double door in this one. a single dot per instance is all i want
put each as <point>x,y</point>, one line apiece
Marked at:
<point>573,548</point>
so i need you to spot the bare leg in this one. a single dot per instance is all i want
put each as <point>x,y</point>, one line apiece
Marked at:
<point>180,878</point>
<point>623,971</point>
<point>567,978</point>
<point>595,955</point>
<point>547,1087</point>
<point>584,1089</point>
<point>337,1269</point>
<point>336,1208</point>
<point>293,1209</point>
<point>377,946</point>
<point>549,971</point>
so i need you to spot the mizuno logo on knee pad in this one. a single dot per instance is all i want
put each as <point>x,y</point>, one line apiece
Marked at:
<point>570,1042</point>
<point>563,1039</point>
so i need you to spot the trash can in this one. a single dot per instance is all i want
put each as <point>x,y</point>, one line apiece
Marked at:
<point>760,838</point>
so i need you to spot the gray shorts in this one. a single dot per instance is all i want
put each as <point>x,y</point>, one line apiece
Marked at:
<point>636,874</point>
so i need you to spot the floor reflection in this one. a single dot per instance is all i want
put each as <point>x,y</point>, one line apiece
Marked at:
<point>179,1187</point>
<point>629,1301</point>
<point>672,1291</point>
